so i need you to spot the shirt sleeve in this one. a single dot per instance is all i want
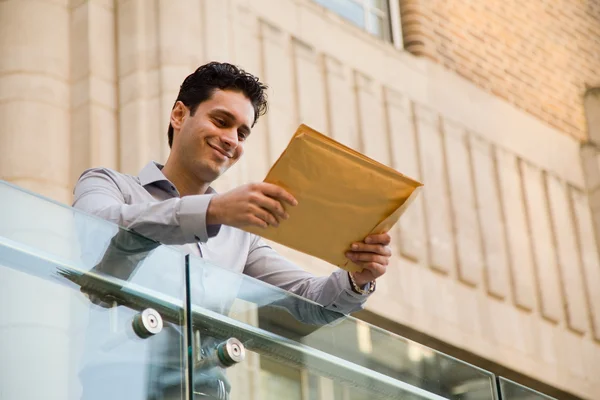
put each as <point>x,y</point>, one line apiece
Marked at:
<point>173,222</point>
<point>333,292</point>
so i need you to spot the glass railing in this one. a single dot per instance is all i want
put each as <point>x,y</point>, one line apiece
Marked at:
<point>287,331</point>
<point>510,390</point>
<point>83,316</point>
<point>96,311</point>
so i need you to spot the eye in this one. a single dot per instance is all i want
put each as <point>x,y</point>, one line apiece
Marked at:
<point>219,122</point>
<point>242,136</point>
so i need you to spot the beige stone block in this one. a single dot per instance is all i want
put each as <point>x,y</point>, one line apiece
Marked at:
<point>310,88</point>
<point>404,158</point>
<point>591,362</point>
<point>373,130</point>
<point>94,90</point>
<point>468,236</point>
<point>107,4</point>
<point>278,69</point>
<point>179,28</point>
<point>569,261</point>
<point>490,217</point>
<point>505,326</point>
<point>140,136</point>
<point>440,237</point>
<point>102,42</point>
<point>255,162</point>
<point>34,140</point>
<point>526,322</point>
<point>93,43</point>
<point>141,84</point>
<point>137,37</point>
<point>34,87</point>
<point>34,38</point>
<point>574,359</point>
<point>217,30</point>
<point>548,285</point>
<point>519,243</point>
<point>341,103</point>
<point>589,257</point>
<point>79,37</point>
<point>171,78</point>
<point>104,137</point>
<point>49,189</point>
<point>547,345</point>
<point>590,158</point>
<point>283,14</point>
<point>592,112</point>
<point>468,310</point>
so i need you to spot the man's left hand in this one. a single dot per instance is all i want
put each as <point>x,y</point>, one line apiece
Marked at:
<point>373,254</point>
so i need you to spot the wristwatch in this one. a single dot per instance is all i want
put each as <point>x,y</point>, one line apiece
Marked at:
<point>357,289</point>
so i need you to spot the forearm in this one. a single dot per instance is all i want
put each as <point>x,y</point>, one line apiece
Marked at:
<point>333,291</point>
<point>173,221</point>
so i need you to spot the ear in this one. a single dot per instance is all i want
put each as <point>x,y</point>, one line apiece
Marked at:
<point>178,115</point>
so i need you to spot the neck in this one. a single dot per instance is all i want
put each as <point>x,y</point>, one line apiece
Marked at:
<point>184,180</point>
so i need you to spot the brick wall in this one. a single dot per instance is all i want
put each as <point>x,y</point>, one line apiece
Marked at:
<point>538,54</point>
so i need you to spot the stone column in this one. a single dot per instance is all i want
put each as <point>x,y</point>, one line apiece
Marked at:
<point>94,135</point>
<point>34,96</point>
<point>34,148</point>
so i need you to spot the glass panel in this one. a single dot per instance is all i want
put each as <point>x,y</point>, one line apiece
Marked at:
<point>350,358</point>
<point>348,9</point>
<point>76,293</point>
<point>378,26</point>
<point>513,391</point>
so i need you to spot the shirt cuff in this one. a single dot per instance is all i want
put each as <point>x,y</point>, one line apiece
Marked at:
<point>192,218</point>
<point>347,301</point>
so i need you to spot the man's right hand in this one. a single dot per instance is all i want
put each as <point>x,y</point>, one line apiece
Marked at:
<point>254,204</point>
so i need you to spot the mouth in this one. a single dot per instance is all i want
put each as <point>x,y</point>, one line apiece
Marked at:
<point>220,151</point>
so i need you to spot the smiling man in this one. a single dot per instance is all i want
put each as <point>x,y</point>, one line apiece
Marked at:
<point>211,121</point>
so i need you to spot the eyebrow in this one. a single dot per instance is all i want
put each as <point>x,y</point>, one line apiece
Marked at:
<point>229,115</point>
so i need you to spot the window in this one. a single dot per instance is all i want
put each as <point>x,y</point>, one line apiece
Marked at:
<point>370,15</point>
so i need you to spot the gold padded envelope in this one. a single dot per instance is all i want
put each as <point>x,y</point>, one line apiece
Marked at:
<point>343,196</point>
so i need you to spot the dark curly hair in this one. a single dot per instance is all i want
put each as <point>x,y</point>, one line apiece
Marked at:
<point>202,83</point>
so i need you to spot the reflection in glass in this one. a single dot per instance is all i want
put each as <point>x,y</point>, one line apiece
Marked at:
<point>367,362</point>
<point>75,286</point>
<point>513,391</point>
<point>279,381</point>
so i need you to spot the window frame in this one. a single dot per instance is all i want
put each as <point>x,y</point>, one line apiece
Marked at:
<point>390,18</point>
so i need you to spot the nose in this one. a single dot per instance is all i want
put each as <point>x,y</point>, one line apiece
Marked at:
<point>230,140</point>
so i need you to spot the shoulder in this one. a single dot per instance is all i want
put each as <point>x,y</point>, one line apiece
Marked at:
<point>108,174</point>
<point>106,180</point>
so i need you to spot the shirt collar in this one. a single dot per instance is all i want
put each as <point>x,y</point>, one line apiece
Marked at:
<point>152,174</point>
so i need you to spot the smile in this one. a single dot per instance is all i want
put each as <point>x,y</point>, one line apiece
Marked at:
<point>221,151</point>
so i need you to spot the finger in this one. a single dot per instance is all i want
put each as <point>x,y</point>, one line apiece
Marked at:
<point>266,216</point>
<point>367,257</point>
<point>374,268</point>
<point>371,248</point>
<point>255,221</point>
<point>278,193</point>
<point>271,205</point>
<point>381,238</point>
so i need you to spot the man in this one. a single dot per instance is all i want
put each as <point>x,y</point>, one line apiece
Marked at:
<point>174,204</point>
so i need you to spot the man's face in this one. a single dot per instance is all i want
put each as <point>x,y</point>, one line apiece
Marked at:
<point>212,140</point>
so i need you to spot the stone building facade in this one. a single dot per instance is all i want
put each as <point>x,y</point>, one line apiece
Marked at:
<point>498,258</point>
